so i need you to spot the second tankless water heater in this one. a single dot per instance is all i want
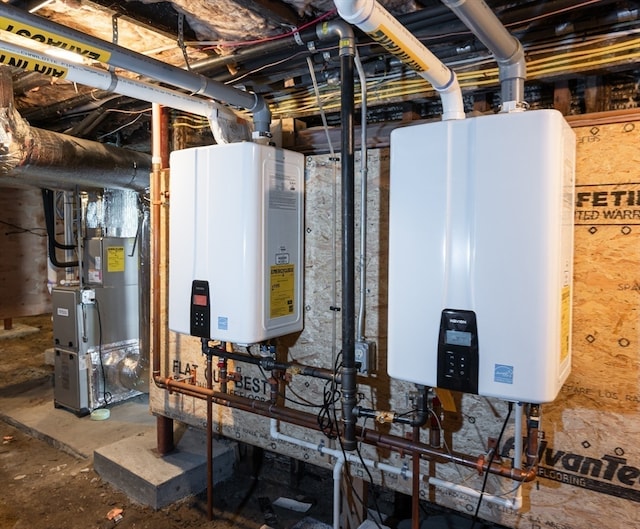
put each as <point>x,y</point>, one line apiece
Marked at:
<point>235,257</point>
<point>481,246</point>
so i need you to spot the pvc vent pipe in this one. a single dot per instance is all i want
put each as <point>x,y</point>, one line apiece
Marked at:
<point>506,49</point>
<point>48,32</point>
<point>381,26</point>
<point>218,115</point>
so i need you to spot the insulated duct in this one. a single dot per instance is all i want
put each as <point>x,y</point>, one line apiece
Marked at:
<point>35,157</point>
<point>45,31</point>
<point>506,49</point>
<point>382,27</point>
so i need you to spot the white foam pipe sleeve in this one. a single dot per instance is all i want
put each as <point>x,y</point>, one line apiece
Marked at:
<point>156,141</point>
<point>510,503</point>
<point>380,25</point>
<point>101,79</point>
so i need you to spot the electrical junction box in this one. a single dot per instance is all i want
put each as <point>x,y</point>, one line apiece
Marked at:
<point>481,250</point>
<point>236,242</point>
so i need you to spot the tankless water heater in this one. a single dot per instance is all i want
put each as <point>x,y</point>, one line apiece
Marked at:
<point>235,239</point>
<point>481,246</point>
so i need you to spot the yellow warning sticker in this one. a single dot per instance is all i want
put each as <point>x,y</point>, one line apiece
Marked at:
<point>282,290</point>
<point>115,259</point>
<point>29,63</point>
<point>565,322</point>
<point>389,41</point>
<point>50,39</point>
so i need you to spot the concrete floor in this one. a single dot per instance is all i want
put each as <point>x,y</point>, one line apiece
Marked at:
<point>33,412</point>
<point>122,447</point>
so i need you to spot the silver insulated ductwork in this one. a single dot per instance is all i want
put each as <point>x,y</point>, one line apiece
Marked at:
<point>36,157</point>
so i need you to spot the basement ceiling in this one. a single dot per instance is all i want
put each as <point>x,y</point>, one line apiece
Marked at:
<point>269,47</point>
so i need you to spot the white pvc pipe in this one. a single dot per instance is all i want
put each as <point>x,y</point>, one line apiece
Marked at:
<point>31,60</point>
<point>362,310</point>
<point>510,503</point>
<point>380,25</point>
<point>337,478</point>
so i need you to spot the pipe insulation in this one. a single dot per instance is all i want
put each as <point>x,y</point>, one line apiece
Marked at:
<point>30,156</point>
<point>226,126</point>
<point>381,26</point>
<point>48,32</point>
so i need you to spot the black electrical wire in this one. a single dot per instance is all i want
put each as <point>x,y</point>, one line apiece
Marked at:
<point>491,458</point>
<point>327,421</point>
<point>347,464</point>
<point>49,218</point>
<point>106,396</point>
<point>19,229</point>
<point>302,402</point>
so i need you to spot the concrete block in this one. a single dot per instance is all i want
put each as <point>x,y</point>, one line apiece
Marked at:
<point>133,466</point>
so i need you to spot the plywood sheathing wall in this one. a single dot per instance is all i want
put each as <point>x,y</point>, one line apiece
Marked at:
<point>23,248</point>
<point>589,455</point>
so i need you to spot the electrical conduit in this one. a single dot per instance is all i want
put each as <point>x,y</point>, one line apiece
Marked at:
<point>381,26</point>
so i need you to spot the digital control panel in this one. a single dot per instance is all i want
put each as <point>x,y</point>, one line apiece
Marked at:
<point>458,351</point>
<point>200,309</point>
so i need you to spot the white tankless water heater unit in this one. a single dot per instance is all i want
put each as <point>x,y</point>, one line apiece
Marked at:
<point>481,250</point>
<point>236,239</point>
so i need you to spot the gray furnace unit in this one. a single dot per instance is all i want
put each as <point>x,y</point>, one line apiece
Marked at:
<point>95,326</point>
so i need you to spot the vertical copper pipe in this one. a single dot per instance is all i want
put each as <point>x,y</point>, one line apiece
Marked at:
<point>415,482</point>
<point>209,439</point>
<point>160,158</point>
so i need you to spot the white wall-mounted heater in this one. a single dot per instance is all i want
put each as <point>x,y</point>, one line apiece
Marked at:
<point>481,249</point>
<point>236,239</point>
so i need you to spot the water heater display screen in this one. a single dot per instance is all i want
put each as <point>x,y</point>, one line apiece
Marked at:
<point>200,300</point>
<point>457,338</point>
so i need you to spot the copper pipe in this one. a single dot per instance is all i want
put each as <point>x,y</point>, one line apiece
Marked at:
<point>307,420</point>
<point>415,483</point>
<point>164,425</point>
<point>209,440</point>
<point>164,434</point>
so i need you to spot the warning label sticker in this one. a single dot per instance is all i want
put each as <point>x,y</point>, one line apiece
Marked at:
<point>115,259</point>
<point>30,63</point>
<point>282,290</point>
<point>50,39</point>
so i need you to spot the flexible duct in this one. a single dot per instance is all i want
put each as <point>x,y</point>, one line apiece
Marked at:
<point>42,30</point>
<point>382,27</point>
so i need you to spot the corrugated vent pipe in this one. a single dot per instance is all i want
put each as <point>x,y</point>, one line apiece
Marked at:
<point>381,26</point>
<point>35,157</point>
<point>47,32</point>
<point>506,49</point>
